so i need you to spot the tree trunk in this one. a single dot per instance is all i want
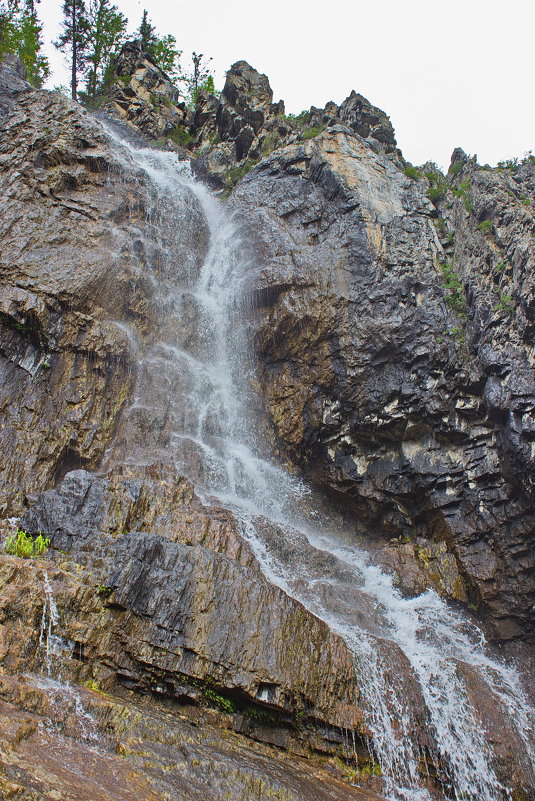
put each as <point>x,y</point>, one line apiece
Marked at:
<point>74,82</point>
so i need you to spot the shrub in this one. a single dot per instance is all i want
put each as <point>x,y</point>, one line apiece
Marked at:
<point>22,544</point>
<point>505,304</point>
<point>412,172</point>
<point>456,168</point>
<point>180,136</point>
<point>485,227</point>
<point>438,184</point>
<point>311,133</point>
<point>455,297</point>
<point>300,119</point>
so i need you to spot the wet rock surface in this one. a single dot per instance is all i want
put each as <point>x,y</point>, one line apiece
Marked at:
<point>142,752</point>
<point>413,413</point>
<point>406,398</point>
<point>204,612</point>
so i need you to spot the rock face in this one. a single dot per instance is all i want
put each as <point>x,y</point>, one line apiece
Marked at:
<point>393,337</point>
<point>410,404</point>
<point>143,95</point>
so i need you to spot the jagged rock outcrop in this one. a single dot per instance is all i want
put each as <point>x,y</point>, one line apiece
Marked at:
<point>226,135</point>
<point>143,95</point>
<point>410,404</point>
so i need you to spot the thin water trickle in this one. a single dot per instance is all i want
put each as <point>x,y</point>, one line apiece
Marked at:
<point>191,406</point>
<point>63,697</point>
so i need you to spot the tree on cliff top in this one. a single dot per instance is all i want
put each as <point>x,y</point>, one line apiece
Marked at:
<point>162,49</point>
<point>74,38</point>
<point>21,34</point>
<point>105,35</point>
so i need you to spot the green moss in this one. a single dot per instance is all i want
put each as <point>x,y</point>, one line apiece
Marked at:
<point>311,133</point>
<point>485,226</point>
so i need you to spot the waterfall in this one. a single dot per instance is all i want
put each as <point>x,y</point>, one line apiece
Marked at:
<point>416,657</point>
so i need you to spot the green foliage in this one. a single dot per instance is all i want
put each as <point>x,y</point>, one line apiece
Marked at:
<point>456,168</point>
<point>462,193</point>
<point>180,135</point>
<point>24,545</point>
<point>485,226</point>
<point>106,30</point>
<point>225,704</point>
<point>505,304</point>
<point>198,79</point>
<point>147,33</point>
<point>412,172</point>
<point>311,133</point>
<point>301,119</point>
<point>162,49</point>
<point>438,183</point>
<point>73,39</point>
<point>455,297</point>
<point>525,200</point>
<point>236,173</point>
<point>442,228</point>
<point>167,56</point>
<point>21,34</point>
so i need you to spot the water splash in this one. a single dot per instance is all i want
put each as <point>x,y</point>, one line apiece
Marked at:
<point>192,407</point>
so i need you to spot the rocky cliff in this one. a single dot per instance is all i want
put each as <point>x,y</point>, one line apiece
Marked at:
<point>393,316</point>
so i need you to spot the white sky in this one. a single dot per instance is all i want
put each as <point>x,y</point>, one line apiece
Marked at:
<point>451,73</point>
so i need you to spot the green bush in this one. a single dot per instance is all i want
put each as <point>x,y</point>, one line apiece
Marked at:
<point>485,227</point>
<point>456,168</point>
<point>412,172</point>
<point>300,119</point>
<point>180,136</point>
<point>505,304</point>
<point>455,297</point>
<point>438,183</point>
<point>310,133</point>
<point>23,545</point>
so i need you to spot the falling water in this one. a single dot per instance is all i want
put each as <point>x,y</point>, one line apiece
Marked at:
<point>56,650</point>
<point>192,406</point>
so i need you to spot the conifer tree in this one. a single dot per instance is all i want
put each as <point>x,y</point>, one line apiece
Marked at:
<point>161,49</point>
<point>147,34</point>
<point>74,39</point>
<point>21,34</point>
<point>105,35</point>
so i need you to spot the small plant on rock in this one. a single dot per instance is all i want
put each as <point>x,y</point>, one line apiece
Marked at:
<point>23,545</point>
<point>311,133</point>
<point>412,172</point>
<point>455,298</point>
<point>485,226</point>
<point>505,304</point>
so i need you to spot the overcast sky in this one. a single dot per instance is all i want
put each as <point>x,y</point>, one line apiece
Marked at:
<point>455,73</point>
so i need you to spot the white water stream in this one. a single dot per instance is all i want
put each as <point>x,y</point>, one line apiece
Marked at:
<point>416,658</point>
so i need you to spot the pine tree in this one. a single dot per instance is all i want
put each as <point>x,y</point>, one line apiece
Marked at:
<point>21,34</point>
<point>105,35</point>
<point>162,50</point>
<point>147,34</point>
<point>74,38</point>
